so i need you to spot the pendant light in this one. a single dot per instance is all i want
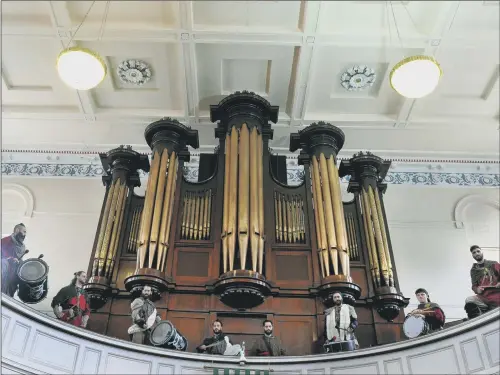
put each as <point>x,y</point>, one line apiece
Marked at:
<point>415,76</point>
<point>81,68</point>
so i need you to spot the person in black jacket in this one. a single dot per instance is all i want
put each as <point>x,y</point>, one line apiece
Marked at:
<point>215,344</point>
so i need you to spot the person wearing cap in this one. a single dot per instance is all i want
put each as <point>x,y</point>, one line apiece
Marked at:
<point>432,312</point>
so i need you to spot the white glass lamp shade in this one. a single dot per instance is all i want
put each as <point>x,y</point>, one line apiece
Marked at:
<point>415,76</point>
<point>81,68</point>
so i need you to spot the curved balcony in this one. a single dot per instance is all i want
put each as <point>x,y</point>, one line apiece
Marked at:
<point>36,343</point>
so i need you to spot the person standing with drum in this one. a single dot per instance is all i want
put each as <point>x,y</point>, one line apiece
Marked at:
<point>341,321</point>
<point>144,317</point>
<point>71,303</point>
<point>430,314</point>
<point>13,249</point>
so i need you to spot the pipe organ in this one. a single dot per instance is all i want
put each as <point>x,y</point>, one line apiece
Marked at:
<point>240,244</point>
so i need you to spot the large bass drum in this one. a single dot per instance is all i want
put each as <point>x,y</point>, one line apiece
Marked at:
<point>164,335</point>
<point>32,275</point>
<point>414,326</point>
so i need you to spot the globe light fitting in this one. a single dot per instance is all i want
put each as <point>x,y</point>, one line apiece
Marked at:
<point>81,68</point>
<point>416,76</point>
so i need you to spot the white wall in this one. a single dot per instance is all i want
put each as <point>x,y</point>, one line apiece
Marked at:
<point>431,248</point>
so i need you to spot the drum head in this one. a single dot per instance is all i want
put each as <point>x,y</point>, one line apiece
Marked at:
<point>413,326</point>
<point>32,270</point>
<point>161,333</point>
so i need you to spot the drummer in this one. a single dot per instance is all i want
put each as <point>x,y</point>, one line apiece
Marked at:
<point>432,313</point>
<point>341,321</point>
<point>12,250</point>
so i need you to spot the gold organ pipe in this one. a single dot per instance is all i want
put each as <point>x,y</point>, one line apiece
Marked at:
<point>167,208</point>
<point>132,229</point>
<point>254,199</point>
<point>174,162</point>
<point>302,221</point>
<point>260,192</point>
<point>330,226</point>
<point>370,237</point>
<point>110,263</point>
<point>384,233</point>
<point>188,212</point>
<point>109,226</point>
<point>225,216</point>
<point>157,213</point>
<point>204,210</point>
<point>285,217</point>
<point>233,197</point>
<point>276,212</point>
<point>102,229</point>
<point>192,215</point>
<point>196,226</point>
<point>147,212</point>
<point>138,215</point>
<point>184,215</point>
<point>244,192</point>
<point>320,225</point>
<point>209,213</point>
<point>280,217</point>
<point>355,237</point>
<point>318,237</point>
<point>378,236</point>
<point>294,216</point>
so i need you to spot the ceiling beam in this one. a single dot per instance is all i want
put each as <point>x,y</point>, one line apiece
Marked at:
<point>62,25</point>
<point>443,23</point>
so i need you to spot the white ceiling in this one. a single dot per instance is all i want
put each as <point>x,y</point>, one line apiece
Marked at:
<point>291,52</point>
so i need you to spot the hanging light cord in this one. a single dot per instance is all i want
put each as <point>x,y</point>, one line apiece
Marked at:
<point>104,19</point>
<point>80,25</point>
<point>449,28</point>
<point>396,24</point>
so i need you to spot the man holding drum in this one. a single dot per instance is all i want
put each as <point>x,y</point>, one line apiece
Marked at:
<point>144,316</point>
<point>430,312</point>
<point>13,250</point>
<point>341,321</point>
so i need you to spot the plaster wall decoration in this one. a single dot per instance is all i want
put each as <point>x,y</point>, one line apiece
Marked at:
<point>358,78</point>
<point>134,72</point>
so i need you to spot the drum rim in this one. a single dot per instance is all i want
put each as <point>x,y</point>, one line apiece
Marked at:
<point>154,342</point>
<point>416,318</point>
<point>41,278</point>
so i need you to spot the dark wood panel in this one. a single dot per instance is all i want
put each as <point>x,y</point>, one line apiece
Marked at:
<point>121,306</point>
<point>242,324</point>
<point>358,274</point>
<point>190,302</point>
<point>193,326</point>
<point>293,306</point>
<point>292,268</point>
<point>191,263</point>
<point>118,326</point>
<point>126,269</point>
<point>98,322</point>
<point>297,334</point>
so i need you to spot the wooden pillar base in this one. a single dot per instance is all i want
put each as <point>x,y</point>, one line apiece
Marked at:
<point>338,283</point>
<point>147,277</point>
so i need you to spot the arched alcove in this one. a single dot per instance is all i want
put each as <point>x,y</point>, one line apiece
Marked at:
<point>18,204</point>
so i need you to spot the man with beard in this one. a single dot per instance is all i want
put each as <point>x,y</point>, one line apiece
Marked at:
<point>267,345</point>
<point>341,321</point>
<point>432,312</point>
<point>215,344</point>
<point>12,251</point>
<point>71,303</point>
<point>485,277</point>
<point>144,317</point>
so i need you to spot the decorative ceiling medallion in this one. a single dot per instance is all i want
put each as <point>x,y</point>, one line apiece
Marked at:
<point>358,78</point>
<point>134,72</point>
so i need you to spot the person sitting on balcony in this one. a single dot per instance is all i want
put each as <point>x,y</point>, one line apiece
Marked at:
<point>71,303</point>
<point>144,317</point>
<point>485,278</point>
<point>432,312</point>
<point>12,251</point>
<point>267,345</point>
<point>217,343</point>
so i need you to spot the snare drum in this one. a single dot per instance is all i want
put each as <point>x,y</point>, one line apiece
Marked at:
<point>32,275</point>
<point>414,326</point>
<point>166,336</point>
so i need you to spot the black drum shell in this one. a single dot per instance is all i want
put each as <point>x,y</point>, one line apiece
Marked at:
<point>168,341</point>
<point>27,286</point>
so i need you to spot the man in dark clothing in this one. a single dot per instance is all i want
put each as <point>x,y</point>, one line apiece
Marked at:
<point>267,345</point>
<point>215,344</point>
<point>71,303</point>
<point>432,312</point>
<point>12,251</point>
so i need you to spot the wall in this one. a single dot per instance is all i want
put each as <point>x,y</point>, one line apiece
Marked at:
<point>430,243</point>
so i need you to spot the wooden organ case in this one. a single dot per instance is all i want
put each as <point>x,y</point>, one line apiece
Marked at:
<point>240,244</point>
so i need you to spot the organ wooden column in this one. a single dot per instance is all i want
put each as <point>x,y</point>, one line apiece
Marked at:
<point>168,140</point>
<point>243,132</point>
<point>121,165</point>
<point>321,142</point>
<point>366,183</point>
